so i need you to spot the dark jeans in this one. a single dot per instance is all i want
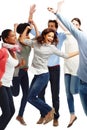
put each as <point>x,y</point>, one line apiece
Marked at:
<point>21,81</point>
<point>55,89</point>
<point>37,84</point>
<point>7,106</point>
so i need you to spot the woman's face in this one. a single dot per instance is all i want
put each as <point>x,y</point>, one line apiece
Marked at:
<point>11,39</point>
<point>76,24</point>
<point>49,37</point>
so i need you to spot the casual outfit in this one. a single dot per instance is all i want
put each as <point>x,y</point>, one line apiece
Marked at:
<point>6,99</point>
<point>72,82</point>
<point>81,38</point>
<point>21,79</point>
<point>54,71</point>
<point>41,73</point>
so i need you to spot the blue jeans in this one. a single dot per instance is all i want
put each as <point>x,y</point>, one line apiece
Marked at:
<point>7,106</point>
<point>55,89</point>
<point>72,84</point>
<point>38,83</point>
<point>83,95</point>
<point>21,81</point>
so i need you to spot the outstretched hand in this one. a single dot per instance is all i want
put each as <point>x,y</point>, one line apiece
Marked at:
<point>32,9</point>
<point>51,10</point>
<point>31,12</point>
<point>59,4</point>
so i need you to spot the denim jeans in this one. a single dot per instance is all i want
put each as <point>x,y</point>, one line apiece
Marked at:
<point>21,81</point>
<point>7,106</point>
<point>38,83</point>
<point>72,84</point>
<point>83,95</point>
<point>55,89</point>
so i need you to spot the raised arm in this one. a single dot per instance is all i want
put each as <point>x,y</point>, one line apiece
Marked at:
<point>31,21</point>
<point>59,6</point>
<point>23,35</point>
<point>15,27</point>
<point>70,27</point>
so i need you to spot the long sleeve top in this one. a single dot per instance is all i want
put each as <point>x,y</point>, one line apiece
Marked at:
<point>71,64</point>
<point>41,55</point>
<point>54,59</point>
<point>81,38</point>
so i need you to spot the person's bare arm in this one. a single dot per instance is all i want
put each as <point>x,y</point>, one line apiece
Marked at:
<point>15,27</point>
<point>30,19</point>
<point>72,54</point>
<point>23,35</point>
<point>31,12</point>
<point>59,7</point>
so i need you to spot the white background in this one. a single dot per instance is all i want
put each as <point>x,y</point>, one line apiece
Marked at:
<point>16,11</point>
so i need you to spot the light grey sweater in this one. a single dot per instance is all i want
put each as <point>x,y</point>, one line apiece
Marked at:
<point>41,55</point>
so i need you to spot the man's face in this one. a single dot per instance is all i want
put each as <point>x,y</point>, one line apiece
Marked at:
<point>52,26</point>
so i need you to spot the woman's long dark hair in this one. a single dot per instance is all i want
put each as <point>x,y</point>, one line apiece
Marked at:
<point>40,39</point>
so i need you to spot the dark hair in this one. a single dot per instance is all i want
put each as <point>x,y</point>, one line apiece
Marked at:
<point>54,21</point>
<point>21,27</point>
<point>41,39</point>
<point>76,19</point>
<point>5,34</point>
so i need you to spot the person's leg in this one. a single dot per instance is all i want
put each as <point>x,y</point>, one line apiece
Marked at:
<point>38,83</point>
<point>15,88</point>
<point>41,95</point>
<point>69,82</point>
<point>11,102</point>
<point>25,88</point>
<point>24,84</point>
<point>83,95</point>
<point>7,107</point>
<point>69,95</point>
<point>55,89</point>
<point>74,85</point>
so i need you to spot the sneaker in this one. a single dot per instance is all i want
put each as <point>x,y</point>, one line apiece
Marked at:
<point>49,117</point>
<point>40,121</point>
<point>55,122</point>
<point>21,120</point>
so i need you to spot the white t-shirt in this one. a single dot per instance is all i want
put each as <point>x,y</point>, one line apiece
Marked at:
<point>9,71</point>
<point>71,64</point>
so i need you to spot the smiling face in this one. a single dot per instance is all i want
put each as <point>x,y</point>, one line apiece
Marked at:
<point>11,39</point>
<point>49,37</point>
<point>8,36</point>
<point>53,24</point>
